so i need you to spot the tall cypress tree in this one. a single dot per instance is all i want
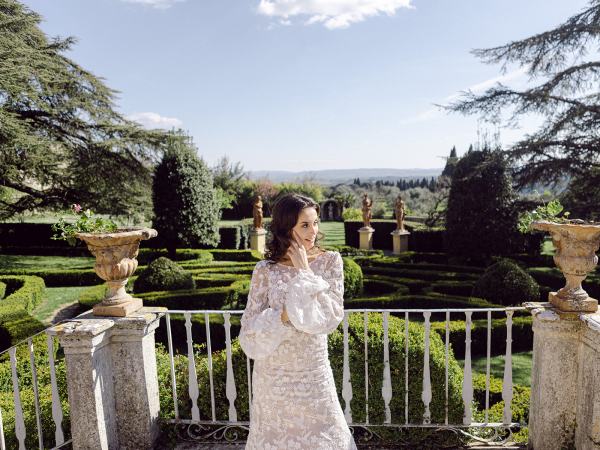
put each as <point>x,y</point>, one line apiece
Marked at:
<point>186,208</point>
<point>481,219</point>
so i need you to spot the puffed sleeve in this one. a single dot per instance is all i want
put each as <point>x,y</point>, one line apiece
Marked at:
<point>315,303</point>
<point>262,329</point>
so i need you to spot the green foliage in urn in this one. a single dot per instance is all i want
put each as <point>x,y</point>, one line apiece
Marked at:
<point>550,212</point>
<point>506,283</point>
<point>186,208</point>
<point>162,274</point>
<point>353,278</point>
<point>481,220</point>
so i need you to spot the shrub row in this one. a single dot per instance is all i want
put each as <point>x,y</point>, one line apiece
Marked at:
<point>147,255</point>
<point>38,235</point>
<point>353,278</point>
<point>2,290</point>
<point>519,404</point>
<point>236,255</point>
<point>60,277</point>
<point>16,323</point>
<point>522,335</point>
<point>399,262</point>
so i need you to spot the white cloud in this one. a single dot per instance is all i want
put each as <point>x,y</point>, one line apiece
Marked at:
<point>154,120</point>
<point>435,112</point>
<point>333,14</point>
<point>157,4</point>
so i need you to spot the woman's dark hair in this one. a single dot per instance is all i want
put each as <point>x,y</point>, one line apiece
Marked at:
<point>284,217</point>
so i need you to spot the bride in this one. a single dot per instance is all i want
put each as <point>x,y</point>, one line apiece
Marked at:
<point>295,300</point>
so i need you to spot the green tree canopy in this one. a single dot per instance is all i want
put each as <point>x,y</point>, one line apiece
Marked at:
<point>186,207</point>
<point>565,62</point>
<point>481,219</point>
<point>61,139</point>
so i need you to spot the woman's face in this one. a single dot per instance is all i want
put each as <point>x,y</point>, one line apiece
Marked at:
<point>307,227</point>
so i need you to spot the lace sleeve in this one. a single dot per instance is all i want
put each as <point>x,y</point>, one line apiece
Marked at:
<point>261,327</point>
<point>315,303</point>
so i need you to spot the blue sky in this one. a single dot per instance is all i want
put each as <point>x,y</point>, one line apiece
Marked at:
<point>302,84</point>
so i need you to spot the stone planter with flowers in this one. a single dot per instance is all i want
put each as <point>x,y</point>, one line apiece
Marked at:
<point>115,249</point>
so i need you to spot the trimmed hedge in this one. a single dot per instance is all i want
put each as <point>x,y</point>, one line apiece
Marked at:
<point>426,240</point>
<point>27,394</point>
<point>16,322</point>
<point>450,287</point>
<point>147,255</point>
<point>162,274</point>
<point>353,278</point>
<point>58,278</point>
<point>236,255</point>
<point>2,290</point>
<point>505,283</point>
<point>519,404</point>
<point>417,273</point>
<point>400,301</point>
<point>522,335</point>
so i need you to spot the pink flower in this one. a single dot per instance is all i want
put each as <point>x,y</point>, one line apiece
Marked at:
<point>76,207</point>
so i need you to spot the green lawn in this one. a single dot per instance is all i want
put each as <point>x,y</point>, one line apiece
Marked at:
<point>521,367</point>
<point>334,233</point>
<point>56,298</point>
<point>45,262</point>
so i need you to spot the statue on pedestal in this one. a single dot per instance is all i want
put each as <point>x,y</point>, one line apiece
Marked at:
<point>257,213</point>
<point>400,213</point>
<point>367,204</point>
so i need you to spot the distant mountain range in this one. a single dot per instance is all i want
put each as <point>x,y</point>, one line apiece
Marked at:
<point>338,176</point>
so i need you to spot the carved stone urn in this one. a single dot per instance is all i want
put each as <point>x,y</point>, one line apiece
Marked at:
<point>116,261</point>
<point>576,246</point>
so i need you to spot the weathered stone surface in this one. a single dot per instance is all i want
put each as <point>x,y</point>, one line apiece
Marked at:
<point>576,246</point>
<point>257,239</point>
<point>366,238</point>
<point>565,400</point>
<point>112,379</point>
<point>400,241</point>
<point>552,412</point>
<point>116,261</point>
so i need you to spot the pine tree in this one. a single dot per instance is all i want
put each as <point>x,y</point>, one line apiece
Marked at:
<point>186,209</point>
<point>62,140</point>
<point>565,60</point>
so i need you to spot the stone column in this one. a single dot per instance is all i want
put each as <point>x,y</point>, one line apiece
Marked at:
<point>554,377</point>
<point>257,239</point>
<point>400,241</point>
<point>587,435</point>
<point>112,379</point>
<point>366,238</point>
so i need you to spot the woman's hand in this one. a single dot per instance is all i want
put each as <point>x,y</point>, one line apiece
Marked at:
<point>297,252</point>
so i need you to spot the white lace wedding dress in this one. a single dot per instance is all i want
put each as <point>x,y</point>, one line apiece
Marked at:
<point>294,400</point>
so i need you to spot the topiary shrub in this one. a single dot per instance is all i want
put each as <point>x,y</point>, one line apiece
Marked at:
<point>186,208</point>
<point>162,274</point>
<point>353,278</point>
<point>505,283</point>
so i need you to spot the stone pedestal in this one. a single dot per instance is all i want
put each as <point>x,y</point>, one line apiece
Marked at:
<point>400,241</point>
<point>366,238</point>
<point>112,379</point>
<point>257,239</point>
<point>565,400</point>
